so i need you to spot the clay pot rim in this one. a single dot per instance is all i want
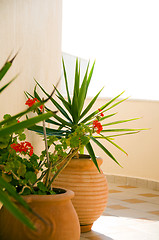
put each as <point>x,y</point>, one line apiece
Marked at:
<point>68,194</point>
<point>85,156</point>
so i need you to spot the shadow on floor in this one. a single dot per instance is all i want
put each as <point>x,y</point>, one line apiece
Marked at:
<point>94,236</point>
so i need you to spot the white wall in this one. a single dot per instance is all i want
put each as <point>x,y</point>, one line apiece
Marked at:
<point>33,28</point>
<point>142,148</point>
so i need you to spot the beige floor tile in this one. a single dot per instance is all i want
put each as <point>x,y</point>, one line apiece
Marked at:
<point>149,195</point>
<point>100,237</point>
<point>126,186</point>
<point>119,196</point>
<point>142,207</point>
<point>114,191</point>
<point>155,212</point>
<point>133,200</point>
<point>152,200</point>
<point>117,207</point>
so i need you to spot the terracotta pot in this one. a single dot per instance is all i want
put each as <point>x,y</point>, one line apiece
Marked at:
<point>90,188</point>
<point>57,210</point>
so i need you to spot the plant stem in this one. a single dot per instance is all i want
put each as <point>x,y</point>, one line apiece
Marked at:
<point>63,166</point>
<point>47,153</point>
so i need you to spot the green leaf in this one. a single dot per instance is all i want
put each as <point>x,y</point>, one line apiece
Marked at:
<point>118,122</point>
<point>121,130</point>
<point>48,95</point>
<point>4,141</point>
<point>107,116</point>
<point>89,107</point>
<point>103,107</point>
<point>82,92</point>
<point>114,105</point>
<point>118,135</point>
<point>41,186</point>
<point>77,79</point>
<point>53,122</point>
<point>30,109</point>
<point>49,131</point>
<point>62,121</point>
<point>75,109</point>
<point>105,150</point>
<point>92,155</point>
<point>75,101</point>
<point>65,103</point>
<point>113,143</point>
<point>6,67</point>
<point>6,177</point>
<point>1,89</point>
<point>24,124</point>
<point>22,137</point>
<point>10,206</point>
<point>14,210</point>
<point>90,76</point>
<point>31,176</point>
<point>64,113</point>
<point>21,170</point>
<point>28,95</point>
<point>13,193</point>
<point>36,94</point>
<point>112,100</point>
<point>66,82</point>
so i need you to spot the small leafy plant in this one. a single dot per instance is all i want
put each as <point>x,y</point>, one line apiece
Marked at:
<point>29,173</point>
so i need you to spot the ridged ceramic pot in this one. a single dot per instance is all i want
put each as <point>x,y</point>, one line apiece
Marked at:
<point>57,210</point>
<point>90,188</point>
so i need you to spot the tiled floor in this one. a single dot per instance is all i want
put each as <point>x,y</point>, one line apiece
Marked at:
<point>132,213</point>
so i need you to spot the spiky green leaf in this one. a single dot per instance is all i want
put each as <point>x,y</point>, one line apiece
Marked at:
<point>6,85</point>
<point>24,124</point>
<point>92,154</point>
<point>66,82</point>
<point>83,92</point>
<point>89,107</point>
<point>105,150</point>
<point>6,67</point>
<point>118,122</point>
<point>11,206</point>
<point>49,131</point>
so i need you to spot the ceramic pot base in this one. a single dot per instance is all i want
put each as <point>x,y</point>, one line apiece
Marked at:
<point>90,188</point>
<point>86,228</point>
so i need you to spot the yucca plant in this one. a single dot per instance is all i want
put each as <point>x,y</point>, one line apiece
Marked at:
<point>73,114</point>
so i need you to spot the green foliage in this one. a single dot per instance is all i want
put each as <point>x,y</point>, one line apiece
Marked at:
<point>29,173</point>
<point>8,161</point>
<point>73,115</point>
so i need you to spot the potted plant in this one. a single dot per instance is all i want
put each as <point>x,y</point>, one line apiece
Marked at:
<point>83,173</point>
<point>23,173</point>
<point>32,176</point>
<point>9,126</point>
